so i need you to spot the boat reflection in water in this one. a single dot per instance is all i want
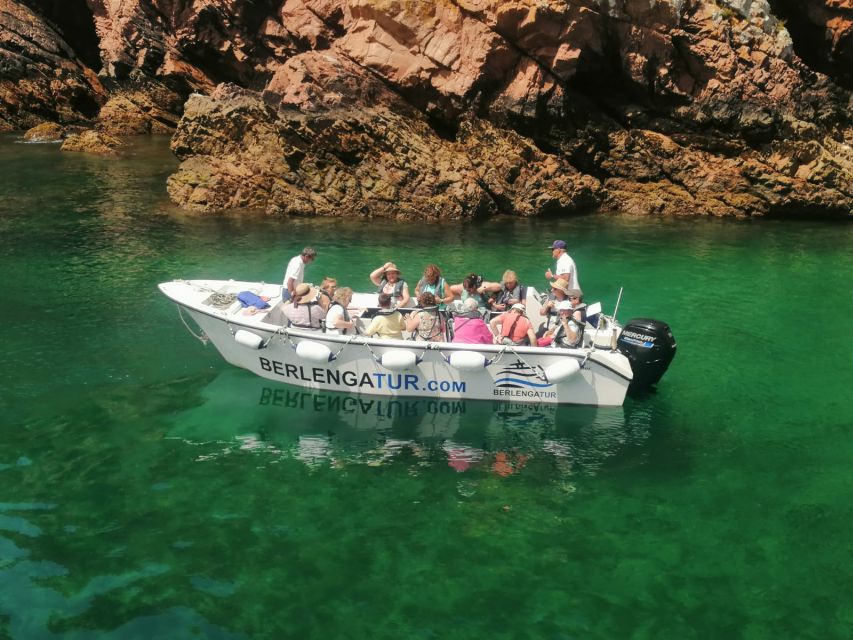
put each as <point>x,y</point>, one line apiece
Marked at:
<point>327,428</point>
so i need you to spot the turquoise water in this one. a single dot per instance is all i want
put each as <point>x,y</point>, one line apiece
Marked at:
<point>149,490</point>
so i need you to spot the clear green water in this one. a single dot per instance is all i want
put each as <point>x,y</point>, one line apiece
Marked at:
<point>149,490</point>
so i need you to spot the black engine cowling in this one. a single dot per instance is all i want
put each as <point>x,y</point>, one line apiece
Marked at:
<point>650,346</point>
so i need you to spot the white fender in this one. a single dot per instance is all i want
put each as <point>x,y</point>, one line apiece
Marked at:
<point>467,360</point>
<point>398,359</point>
<point>314,352</point>
<point>562,370</point>
<point>248,339</point>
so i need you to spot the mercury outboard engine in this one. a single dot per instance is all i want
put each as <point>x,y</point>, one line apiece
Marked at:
<point>649,346</point>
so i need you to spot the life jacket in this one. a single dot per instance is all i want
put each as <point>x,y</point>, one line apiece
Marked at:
<point>310,304</point>
<point>553,315</point>
<point>560,332</point>
<point>397,293</point>
<point>346,317</point>
<point>435,330</point>
<point>436,289</point>
<point>509,294</point>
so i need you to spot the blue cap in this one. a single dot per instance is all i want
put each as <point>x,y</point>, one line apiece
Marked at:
<point>558,244</point>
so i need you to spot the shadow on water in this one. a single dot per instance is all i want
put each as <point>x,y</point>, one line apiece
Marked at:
<point>342,429</point>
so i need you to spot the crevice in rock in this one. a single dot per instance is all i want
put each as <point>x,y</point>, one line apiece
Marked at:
<point>204,53</point>
<point>502,204</point>
<point>444,129</point>
<point>74,21</point>
<point>256,12</point>
<point>811,43</point>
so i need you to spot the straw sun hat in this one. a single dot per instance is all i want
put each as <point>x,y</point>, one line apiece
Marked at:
<point>561,284</point>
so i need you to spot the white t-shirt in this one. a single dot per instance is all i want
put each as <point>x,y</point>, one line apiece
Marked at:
<point>565,264</point>
<point>295,270</point>
<point>336,312</point>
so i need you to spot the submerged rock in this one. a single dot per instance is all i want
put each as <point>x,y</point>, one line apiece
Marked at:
<point>95,142</point>
<point>45,132</point>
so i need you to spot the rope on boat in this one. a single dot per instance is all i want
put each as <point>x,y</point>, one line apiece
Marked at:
<point>201,338</point>
<point>285,335</point>
<point>352,337</point>
<point>268,340</point>
<point>497,358</point>
<point>373,353</point>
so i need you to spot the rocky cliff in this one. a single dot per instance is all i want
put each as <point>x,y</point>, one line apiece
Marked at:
<point>457,108</point>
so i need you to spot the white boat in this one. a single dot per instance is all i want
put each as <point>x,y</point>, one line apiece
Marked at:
<point>598,374</point>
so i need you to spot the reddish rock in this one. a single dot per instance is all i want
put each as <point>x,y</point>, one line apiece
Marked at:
<point>40,76</point>
<point>461,107</point>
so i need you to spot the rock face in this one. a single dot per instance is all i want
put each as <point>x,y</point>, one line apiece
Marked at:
<point>462,108</point>
<point>41,79</point>
<point>384,160</point>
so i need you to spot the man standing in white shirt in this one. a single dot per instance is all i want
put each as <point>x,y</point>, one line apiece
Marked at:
<point>295,273</point>
<point>565,268</point>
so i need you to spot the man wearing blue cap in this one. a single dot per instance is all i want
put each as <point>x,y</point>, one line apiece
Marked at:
<point>565,268</point>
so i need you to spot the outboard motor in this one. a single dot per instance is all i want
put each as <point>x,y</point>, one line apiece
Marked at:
<point>649,346</point>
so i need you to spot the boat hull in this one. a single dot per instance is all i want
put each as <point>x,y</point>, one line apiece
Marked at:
<point>355,363</point>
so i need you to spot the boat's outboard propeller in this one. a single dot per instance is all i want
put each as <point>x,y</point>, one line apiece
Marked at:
<point>650,346</point>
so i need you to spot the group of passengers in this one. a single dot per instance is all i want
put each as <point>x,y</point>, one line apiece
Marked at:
<point>487,312</point>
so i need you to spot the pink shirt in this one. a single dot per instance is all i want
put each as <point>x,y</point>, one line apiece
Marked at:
<point>471,331</point>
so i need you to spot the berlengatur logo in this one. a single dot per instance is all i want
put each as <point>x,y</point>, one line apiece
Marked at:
<point>521,376</point>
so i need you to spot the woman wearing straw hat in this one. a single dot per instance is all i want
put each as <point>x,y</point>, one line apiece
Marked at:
<point>304,310</point>
<point>559,292</point>
<point>387,279</point>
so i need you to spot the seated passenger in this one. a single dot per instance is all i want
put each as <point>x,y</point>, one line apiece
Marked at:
<point>515,328</point>
<point>559,291</point>
<point>433,283</point>
<point>327,292</point>
<point>572,320</point>
<point>559,288</point>
<point>338,320</point>
<point>387,278</point>
<point>388,323</point>
<point>469,326</point>
<point>502,296</point>
<point>304,311</point>
<point>426,323</point>
<point>474,287</point>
